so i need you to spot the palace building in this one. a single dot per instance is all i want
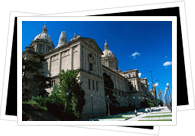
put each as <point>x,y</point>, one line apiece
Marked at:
<point>85,56</point>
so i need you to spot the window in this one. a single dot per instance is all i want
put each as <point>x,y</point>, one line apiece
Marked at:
<point>89,84</point>
<point>96,85</point>
<point>53,83</point>
<point>93,84</point>
<point>129,76</point>
<point>90,66</point>
<point>110,64</point>
<point>90,55</point>
<point>40,48</point>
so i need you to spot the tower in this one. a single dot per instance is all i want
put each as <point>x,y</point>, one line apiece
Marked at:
<point>42,43</point>
<point>108,58</point>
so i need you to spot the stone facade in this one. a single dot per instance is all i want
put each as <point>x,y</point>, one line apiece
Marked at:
<point>85,56</point>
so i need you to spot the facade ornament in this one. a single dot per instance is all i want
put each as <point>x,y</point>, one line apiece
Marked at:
<point>44,30</point>
<point>75,37</point>
<point>105,45</point>
<point>62,39</point>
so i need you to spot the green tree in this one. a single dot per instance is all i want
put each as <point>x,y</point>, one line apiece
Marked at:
<point>108,87</point>
<point>34,82</point>
<point>55,89</point>
<point>150,103</point>
<point>70,89</point>
<point>160,102</point>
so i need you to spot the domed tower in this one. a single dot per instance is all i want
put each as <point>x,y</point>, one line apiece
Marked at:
<point>108,58</point>
<point>42,43</point>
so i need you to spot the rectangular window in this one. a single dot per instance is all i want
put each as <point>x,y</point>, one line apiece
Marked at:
<point>89,83</point>
<point>93,84</point>
<point>96,85</point>
<point>90,67</point>
<point>53,83</point>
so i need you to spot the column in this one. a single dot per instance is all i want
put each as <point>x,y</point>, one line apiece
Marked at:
<point>49,66</point>
<point>60,57</point>
<point>96,63</point>
<point>80,56</point>
<point>137,85</point>
<point>84,51</point>
<point>71,58</point>
<point>100,66</point>
<point>86,64</point>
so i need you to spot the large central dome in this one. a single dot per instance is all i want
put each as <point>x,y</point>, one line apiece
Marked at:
<point>44,35</point>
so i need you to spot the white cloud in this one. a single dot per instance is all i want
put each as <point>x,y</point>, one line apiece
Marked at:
<point>167,63</point>
<point>139,74</point>
<point>135,54</point>
<point>156,84</point>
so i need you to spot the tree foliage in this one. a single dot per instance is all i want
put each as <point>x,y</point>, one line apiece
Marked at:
<point>33,77</point>
<point>70,89</point>
<point>109,86</point>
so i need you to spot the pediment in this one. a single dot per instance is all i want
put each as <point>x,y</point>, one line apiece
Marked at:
<point>92,44</point>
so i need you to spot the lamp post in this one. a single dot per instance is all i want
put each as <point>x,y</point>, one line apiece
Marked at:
<point>169,91</point>
<point>134,102</point>
<point>92,105</point>
<point>108,105</point>
<point>67,94</point>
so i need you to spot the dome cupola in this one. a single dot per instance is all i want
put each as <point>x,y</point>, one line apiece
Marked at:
<point>42,43</point>
<point>109,59</point>
<point>43,35</point>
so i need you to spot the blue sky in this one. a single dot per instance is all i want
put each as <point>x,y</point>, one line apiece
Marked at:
<point>142,45</point>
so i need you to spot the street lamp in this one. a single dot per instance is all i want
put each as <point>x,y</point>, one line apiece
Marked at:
<point>67,94</point>
<point>134,102</point>
<point>108,105</point>
<point>169,91</point>
<point>92,105</point>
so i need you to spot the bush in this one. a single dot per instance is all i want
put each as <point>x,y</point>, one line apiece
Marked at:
<point>150,103</point>
<point>55,105</point>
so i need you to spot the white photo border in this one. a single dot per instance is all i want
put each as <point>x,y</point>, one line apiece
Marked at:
<point>85,123</point>
<point>102,11</point>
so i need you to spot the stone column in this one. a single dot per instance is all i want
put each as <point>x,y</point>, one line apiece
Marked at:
<point>60,57</point>
<point>84,52</point>
<point>37,48</point>
<point>49,66</point>
<point>86,59</point>
<point>96,63</point>
<point>81,58</point>
<point>100,66</point>
<point>71,58</point>
<point>137,85</point>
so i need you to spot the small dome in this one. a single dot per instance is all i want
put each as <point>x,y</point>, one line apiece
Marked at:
<point>44,35</point>
<point>108,53</point>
